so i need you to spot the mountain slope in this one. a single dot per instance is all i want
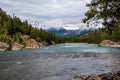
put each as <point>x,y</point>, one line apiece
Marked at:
<point>67,33</point>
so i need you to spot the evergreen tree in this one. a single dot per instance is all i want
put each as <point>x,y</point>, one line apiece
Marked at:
<point>11,30</point>
<point>107,10</point>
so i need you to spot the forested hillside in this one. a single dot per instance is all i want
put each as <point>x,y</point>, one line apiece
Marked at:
<point>109,12</point>
<point>11,28</point>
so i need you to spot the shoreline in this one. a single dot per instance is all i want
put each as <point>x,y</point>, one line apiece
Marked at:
<point>105,43</point>
<point>105,76</point>
<point>91,44</point>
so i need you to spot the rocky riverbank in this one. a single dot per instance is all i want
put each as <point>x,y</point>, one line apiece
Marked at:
<point>3,46</point>
<point>105,43</point>
<point>105,76</point>
<point>109,43</point>
<point>29,43</point>
<point>16,46</point>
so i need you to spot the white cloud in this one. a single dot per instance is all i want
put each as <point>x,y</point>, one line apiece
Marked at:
<point>47,13</point>
<point>52,23</point>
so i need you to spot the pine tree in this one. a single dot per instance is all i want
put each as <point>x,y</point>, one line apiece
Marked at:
<point>107,10</point>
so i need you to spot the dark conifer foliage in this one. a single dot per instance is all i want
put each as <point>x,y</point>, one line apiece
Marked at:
<point>109,12</point>
<point>13,28</point>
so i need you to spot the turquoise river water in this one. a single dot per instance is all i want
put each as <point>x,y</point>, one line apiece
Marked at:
<point>58,62</point>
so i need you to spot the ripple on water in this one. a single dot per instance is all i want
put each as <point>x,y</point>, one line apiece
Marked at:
<point>58,62</point>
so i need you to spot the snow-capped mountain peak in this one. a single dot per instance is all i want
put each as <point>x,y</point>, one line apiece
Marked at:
<point>67,33</point>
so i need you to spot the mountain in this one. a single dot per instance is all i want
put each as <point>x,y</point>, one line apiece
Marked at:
<point>67,33</point>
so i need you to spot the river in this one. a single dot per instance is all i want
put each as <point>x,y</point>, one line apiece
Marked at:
<point>58,62</point>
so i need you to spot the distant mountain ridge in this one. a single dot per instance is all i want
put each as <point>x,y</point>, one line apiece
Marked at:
<point>67,33</point>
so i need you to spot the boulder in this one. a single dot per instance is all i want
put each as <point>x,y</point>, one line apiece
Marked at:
<point>3,46</point>
<point>16,46</point>
<point>31,43</point>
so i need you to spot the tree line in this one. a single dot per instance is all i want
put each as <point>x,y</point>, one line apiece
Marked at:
<point>109,12</point>
<point>11,28</point>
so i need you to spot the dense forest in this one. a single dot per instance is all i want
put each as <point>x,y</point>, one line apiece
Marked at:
<point>11,28</point>
<point>109,12</point>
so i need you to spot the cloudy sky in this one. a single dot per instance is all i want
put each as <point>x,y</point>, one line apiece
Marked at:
<point>48,13</point>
